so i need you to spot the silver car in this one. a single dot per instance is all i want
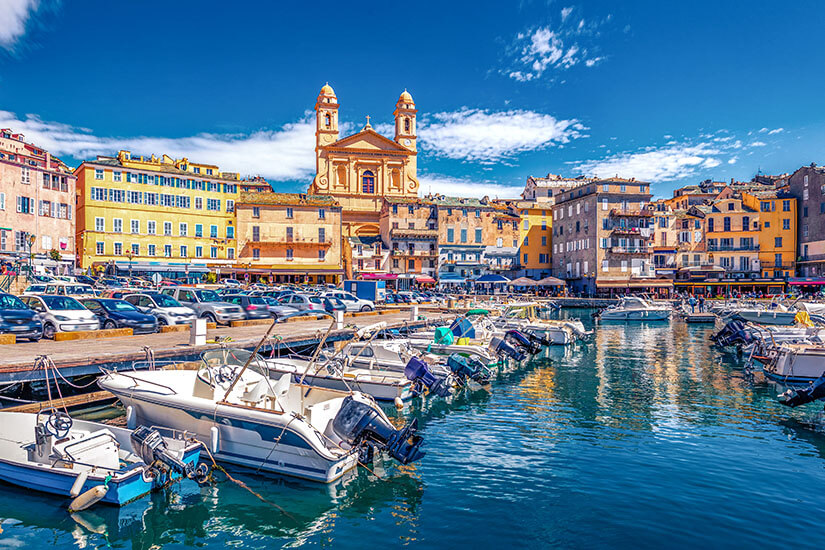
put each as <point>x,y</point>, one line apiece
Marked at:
<point>206,303</point>
<point>168,310</point>
<point>61,314</point>
<point>353,302</point>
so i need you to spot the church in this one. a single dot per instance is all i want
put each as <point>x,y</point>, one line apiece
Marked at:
<point>361,169</point>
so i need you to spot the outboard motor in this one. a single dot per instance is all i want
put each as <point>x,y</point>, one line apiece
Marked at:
<point>500,347</point>
<point>150,447</point>
<point>794,398</point>
<point>733,333</point>
<point>359,424</point>
<point>536,338</point>
<point>464,368</point>
<point>522,342</point>
<point>419,373</point>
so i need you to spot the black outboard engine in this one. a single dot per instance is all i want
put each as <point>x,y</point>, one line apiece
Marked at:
<point>794,398</point>
<point>541,340</point>
<point>150,447</point>
<point>500,347</point>
<point>468,368</point>
<point>732,334</point>
<point>359,424</point>
<point>419,373</point>
<point>522,341</point>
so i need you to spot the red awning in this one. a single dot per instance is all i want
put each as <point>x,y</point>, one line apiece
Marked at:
<point>424,279</point>
<point>806,281</point>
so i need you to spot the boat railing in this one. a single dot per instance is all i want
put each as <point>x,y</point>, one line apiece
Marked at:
<point>361,378</point>
<point>86,440</point>
<point>138,381</point>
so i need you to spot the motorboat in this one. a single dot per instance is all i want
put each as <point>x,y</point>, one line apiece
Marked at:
<point>527,317</point>
<point>635,308</point>
<point>793,363</point>
<point>773,314</point>
<point>742,337</point>
<point>231,404</point>
<point>92,462</point>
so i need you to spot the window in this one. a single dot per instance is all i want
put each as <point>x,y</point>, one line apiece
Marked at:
<point>544,240</point>
<point>183,251</point>
<point>167,229</point>
<point>256,233</point>
<point>183,229</point>
<point>322,254</point>
<point>463,235</point>
<point>786,206</point>
<point>604,204</point>
<point>777,242</point>
<point>786,224</point>
<point>230,205</point>
<point>99,176</point>
<point>256,212</point>
<point>256,253</point>
<point>118,249</point>
<point>135,249</point>
<point>117,176</point>
<point>322,214</point>
<point>230,253</point>
<point>99,248</point>
<point>230,232</point>
<point>525,258</point>
<point>289,212</point>
<point>198,203</point>
<point>167,250</point>
<point>151,251</point>
<point>478,213</point>
<point>804,194</point>
<point>100,225</point>
<point>767,225</point>
<point>478,234</point>
<point>624,266</point>
<point>368,182</point>
<point>289,254</point>
<point>322,235</point>
<point>213,231</point>
<point>290,234</point>
<point>804,211</point>
<point>450,234</point>
<point>135,226</point>
<point>151,227</point>
<point>198,251</point>
<point>117,225</point>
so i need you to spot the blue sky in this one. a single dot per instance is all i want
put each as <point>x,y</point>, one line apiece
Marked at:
<point>671,93</point>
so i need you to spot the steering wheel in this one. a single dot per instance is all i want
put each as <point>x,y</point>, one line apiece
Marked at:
<point>59,424</point>
<point>335,367</point>
<point>224,374</point>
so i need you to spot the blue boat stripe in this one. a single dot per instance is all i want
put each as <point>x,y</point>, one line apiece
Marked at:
<point>273,462</point>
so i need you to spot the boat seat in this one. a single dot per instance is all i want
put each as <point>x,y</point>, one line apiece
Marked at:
<point>98,448</point>
<point>278,391</point>
<point>255,393</point>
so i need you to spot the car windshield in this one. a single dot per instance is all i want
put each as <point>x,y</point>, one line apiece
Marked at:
<point>78,289</point>
<point>162,300</point>
<point>119,305</point>
<point>257,300</point>
<point>7,301</point>
<point>36,289</point>
<point>62,303</point>
<point>208,296</point>
<point>315,300</point>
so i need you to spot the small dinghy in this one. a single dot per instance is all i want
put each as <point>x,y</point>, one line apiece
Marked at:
<point>91,462</point>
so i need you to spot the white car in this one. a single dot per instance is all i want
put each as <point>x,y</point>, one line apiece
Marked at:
<point>61,314</point>
<point>168,310</point>
<point>353,302</point>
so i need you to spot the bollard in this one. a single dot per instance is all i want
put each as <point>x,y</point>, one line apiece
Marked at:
<point>414,312</point>
<point>339,320</point>
<point>197,333</point>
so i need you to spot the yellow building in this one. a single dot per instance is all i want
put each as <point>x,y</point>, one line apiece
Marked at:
<point>155,215</point>
<point>777,235</point>
<point>289,237</point>
<point>535,238</point>
<point>359,170</point>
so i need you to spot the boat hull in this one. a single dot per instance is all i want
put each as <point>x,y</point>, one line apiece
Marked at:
<point>636,315</point>
<point>389,390</point>
<point>768,317</point>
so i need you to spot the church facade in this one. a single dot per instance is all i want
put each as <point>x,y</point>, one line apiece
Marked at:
<point>361,169</point>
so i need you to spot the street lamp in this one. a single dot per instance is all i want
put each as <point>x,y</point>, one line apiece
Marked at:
<point>130,255</point>
<point>30,241</point>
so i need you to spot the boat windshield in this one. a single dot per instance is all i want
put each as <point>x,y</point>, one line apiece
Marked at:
<point>234,357</point>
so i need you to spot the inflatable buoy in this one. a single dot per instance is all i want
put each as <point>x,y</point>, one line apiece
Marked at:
<point>78,484</point>
<point>89,498</point>
<point>399,403</point>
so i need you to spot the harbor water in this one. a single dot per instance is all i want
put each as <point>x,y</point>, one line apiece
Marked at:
<point>643,437</point>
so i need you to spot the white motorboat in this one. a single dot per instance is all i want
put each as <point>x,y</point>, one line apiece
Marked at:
<point>91,462</point>
<point>774,314</point>
<point>526,317</point>
<point>793,363</point>
<point>634,308</point>
<point>247,419</point>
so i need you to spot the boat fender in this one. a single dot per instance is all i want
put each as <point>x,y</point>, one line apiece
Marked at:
<point>131,421</point>
<point>90,497</point>
<point>215,440</point>
<point>78,484</point>
<point>399,403</point>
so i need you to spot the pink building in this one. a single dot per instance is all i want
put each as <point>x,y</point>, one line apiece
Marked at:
<point>37,203</point>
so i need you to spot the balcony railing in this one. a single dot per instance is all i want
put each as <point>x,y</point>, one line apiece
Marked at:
<point>628,250</point>
<point>635,231</point>
<point>772,265</point>
<point>306,241</point>
<point>721,248</point>
<point>400,232</point>
<point>631,213</point>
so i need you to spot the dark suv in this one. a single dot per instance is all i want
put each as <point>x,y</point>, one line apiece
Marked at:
<point>19,319</point>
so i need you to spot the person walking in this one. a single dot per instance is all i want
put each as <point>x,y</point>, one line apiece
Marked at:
<point>701,304</point>
<point>692,303</point>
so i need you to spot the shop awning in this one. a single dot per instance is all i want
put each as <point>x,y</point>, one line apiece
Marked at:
<point>161,268</point>
<point>523,281</point>
<point>653,283</point>
<point>551,281</point>
<point>802,281</point>
<point>452,281</point>
<point>493,278</point>
<point>424,279</point>
<point>379,276</point>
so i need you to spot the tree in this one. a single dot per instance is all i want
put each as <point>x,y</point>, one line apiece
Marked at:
<point>211,278</point>
<point>54,254</point>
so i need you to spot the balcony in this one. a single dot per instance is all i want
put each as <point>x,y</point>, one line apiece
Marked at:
<point>415,253</point>
<point>772,265</point>
<point>616,212</point>
<point>423,234</point>
<point>720,248</point>
<point>629,250</point>
<point>296,241</point>
<point>633,231</point>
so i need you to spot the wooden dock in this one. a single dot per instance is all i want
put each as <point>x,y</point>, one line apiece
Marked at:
<point>69,402</point>
<point>704,317</point>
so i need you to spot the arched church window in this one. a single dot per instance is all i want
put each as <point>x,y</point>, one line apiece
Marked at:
<point>368,182</point>
<point>327,120</point>
<point>407,125</point>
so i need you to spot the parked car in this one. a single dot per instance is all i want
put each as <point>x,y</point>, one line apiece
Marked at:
<point>277,310</point>
<point>231,282</point>
<point>120,314</point>
<point>302,302</point>
<point>61,314</point>
<point>254,306</point>
<point>85,280</point>
<point>351,301</point>
<point>19,319</point>
<point>167,310</point>
<point>35,289</point>
<point>331,305</point>
<point>206,304</point>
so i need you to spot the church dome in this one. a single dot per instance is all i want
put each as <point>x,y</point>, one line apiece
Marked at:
<point>327,90</point>
<point>405,97</point>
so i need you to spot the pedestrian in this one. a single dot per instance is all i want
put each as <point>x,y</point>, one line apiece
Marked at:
<point>692,303</point>
<point>701,304</point>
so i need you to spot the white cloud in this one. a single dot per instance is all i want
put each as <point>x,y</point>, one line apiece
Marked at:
<point>733,160</point>
<point>757,144</point>
<point>13,17</point>
<point>480,135</point>
<point>763,130</point>
<point>656,164</point>
<point>540,49</point>
<point>776,131</point>
<point>462,187</point>
<point>281,155</point>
